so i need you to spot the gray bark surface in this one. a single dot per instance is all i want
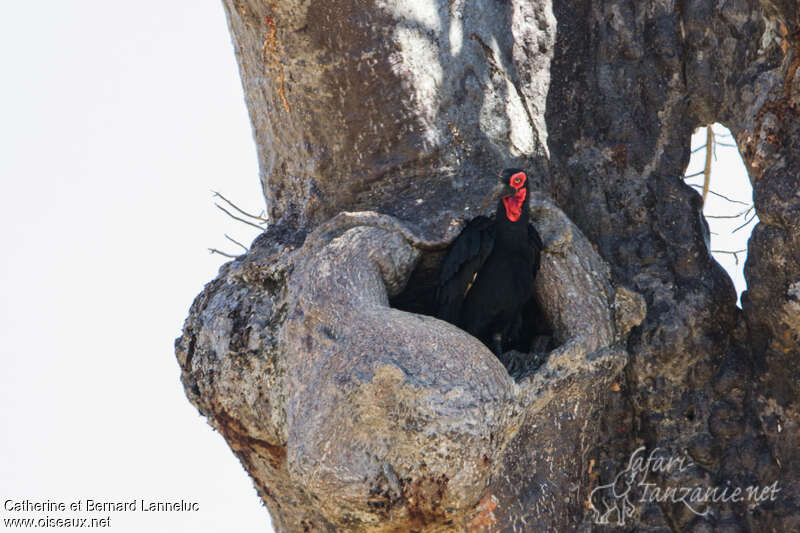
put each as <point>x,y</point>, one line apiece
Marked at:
<point>379,127</point>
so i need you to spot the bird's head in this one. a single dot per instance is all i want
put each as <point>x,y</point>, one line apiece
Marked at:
<point>512,190</point>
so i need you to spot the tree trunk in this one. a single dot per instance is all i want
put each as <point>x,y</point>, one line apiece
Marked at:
<point>379,127</point>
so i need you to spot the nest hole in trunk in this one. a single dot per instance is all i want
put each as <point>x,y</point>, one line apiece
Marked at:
<point>535,336</point>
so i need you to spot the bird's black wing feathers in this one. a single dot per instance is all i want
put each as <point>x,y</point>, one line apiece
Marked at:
<point>536,246</point>
<point>463,260</point>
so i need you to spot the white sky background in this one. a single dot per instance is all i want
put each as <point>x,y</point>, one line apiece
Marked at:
<point>117,121</point>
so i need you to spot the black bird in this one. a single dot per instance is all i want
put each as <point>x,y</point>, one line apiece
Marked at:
<point>486,278</point>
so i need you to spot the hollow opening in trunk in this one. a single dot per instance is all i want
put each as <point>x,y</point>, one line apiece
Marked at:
<point>716,170</point>
<point>533,337</point>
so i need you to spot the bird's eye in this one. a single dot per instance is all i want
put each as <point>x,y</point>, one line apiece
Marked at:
<point>517,180</point>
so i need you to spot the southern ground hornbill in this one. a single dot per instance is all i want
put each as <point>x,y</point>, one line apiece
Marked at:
<point>485,284</point>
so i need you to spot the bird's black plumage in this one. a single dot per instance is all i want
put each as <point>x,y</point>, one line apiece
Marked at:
<point>486,278</point>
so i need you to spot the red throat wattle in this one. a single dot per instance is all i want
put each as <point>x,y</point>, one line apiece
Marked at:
<point>513,205</point>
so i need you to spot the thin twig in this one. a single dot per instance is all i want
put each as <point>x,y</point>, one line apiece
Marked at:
<point>723,216</point>
<point>693,175</point>
<point>728,199</point>
<point>746,222</point>
<point>737,215</point>
<point>215,251</point>
<point>720,195</point>
<point>727,145</point>
<point>734,253</point>
<point>260,228</point>
<point>707,169</point>
<point>264,220</point>
<point>698,148</point>
<point>234,241</point>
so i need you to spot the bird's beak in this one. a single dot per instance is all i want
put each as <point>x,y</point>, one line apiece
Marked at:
<point>501,190</point>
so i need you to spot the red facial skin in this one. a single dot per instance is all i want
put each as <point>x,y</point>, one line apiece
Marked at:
<point>513,204</point>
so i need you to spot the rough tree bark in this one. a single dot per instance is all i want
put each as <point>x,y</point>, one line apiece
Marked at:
<point>379,125</point>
